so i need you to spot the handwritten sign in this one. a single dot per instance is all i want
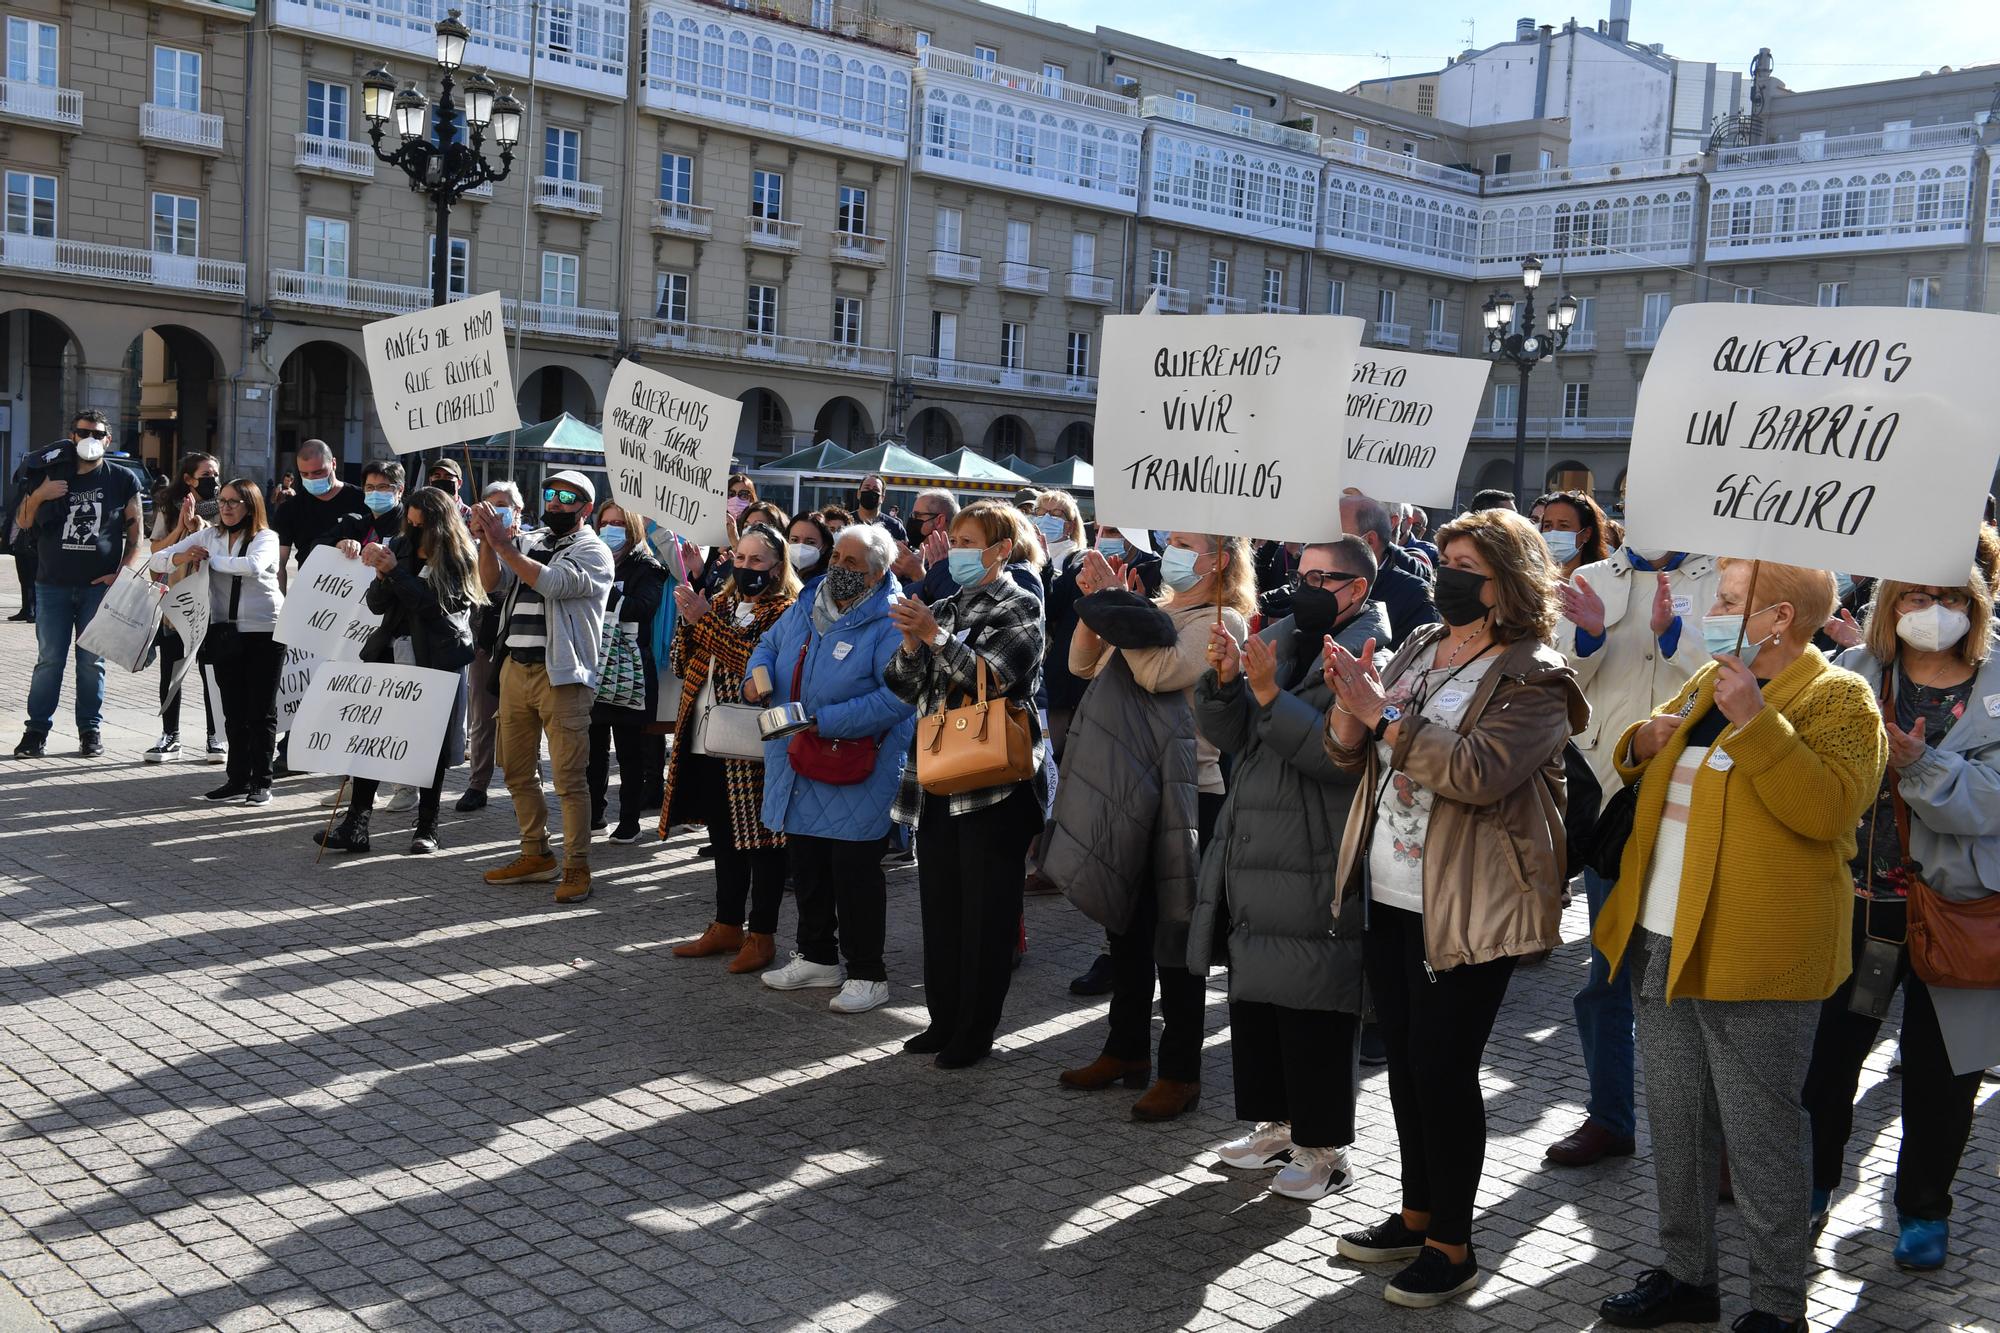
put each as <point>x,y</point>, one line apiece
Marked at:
<point>1223,423</point>
<point>667,447</point>
<point>373,720</point>
<point>441,376</point>
<point>294,677</point>
<point>1409,417</point>
<point>1852,439</point>
<point>186,610</point>
<point>325,612</point>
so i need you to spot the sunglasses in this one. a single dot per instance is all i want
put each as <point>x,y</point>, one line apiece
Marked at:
<point>558,496</point>
<point>94,434</point>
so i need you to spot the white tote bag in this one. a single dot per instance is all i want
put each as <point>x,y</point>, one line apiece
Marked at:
<point>127,621</point>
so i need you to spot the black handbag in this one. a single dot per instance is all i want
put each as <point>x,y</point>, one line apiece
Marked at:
<point>1614,821</point>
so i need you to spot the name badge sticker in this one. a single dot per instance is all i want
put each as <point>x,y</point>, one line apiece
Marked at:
<point>1720,761</point>
<point>841,650</point>
<point>1452,698</point>
<point>1993,705</point>
<point>1683,606</point>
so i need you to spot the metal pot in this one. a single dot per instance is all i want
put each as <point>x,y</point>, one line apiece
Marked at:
<point>774,724</point>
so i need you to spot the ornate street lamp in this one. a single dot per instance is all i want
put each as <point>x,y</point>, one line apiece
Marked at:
<point>1526,347</point>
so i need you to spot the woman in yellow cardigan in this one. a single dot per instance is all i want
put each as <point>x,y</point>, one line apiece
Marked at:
<point>1733,908</point>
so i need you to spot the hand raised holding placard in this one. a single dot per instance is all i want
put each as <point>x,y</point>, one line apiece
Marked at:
<point>1737,692</point>
<point>1223,654</point>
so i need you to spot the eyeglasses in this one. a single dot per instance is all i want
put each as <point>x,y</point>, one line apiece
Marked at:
<point>94,434</point>
<point>1915,600</point>
<point>556,495</point>
<point>1320,578</point>
<point>227,501</point>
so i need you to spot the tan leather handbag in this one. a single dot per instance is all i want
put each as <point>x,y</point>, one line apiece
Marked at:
<point>982,744</point>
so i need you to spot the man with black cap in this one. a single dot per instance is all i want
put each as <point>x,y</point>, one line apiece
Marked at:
<point>550,627</point>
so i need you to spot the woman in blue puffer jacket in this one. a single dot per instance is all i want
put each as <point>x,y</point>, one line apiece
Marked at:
<point>829,652</point>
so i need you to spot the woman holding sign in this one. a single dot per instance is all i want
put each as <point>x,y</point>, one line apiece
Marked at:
<point>240,554</point>
<point>1455,838</point>
<point>1732,912</point>
<point>638,582</point>
<point>1933,832</point>
<point>426,586</point>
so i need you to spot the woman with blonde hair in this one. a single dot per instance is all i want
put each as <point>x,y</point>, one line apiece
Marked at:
<point>1733,910</point>
<point>1933,829</point>
<point>1455,836</point>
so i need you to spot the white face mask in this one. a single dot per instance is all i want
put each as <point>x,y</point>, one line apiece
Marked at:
<point>1935,629</point>
<point>89,451</point>
<point>804,555</point>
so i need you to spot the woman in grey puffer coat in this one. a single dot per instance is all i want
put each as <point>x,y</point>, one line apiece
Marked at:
<point>1266,902</point>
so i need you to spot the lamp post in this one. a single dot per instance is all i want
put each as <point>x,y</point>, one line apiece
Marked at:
<point>450,162</point>
<point>1526,347</point>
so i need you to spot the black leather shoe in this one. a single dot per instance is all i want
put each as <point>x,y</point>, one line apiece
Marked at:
<point>1097,981</point>
<point>1760,1321</point>
<point>473,799</point>
<point>1661,1298</point>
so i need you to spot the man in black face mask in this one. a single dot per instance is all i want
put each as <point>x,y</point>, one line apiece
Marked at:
<point>868,508</point>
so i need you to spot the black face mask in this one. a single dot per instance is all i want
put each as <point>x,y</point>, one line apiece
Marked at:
<point>752,582</point>
<point>205,488</point>
<point>560,523</point>
<point>1458,596</point>
<point>1315,611</point>
<point>871,499</point>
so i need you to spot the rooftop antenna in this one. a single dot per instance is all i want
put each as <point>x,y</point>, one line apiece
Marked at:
<point>1470,28</point>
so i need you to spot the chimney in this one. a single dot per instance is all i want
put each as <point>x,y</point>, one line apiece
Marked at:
<point>1621,21</point>
<point>1524,30</point>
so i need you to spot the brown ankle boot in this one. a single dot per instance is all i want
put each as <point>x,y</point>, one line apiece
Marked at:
<point>1166,1099</point>
<point>755,955</point>
<point>1106,1070</point>
<point>718,938</point>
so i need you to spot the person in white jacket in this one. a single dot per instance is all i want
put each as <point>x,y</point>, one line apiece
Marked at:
<point>239,557</point>
<point>1631,628</point>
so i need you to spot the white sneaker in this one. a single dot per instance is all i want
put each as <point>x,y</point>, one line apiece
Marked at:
<point>168,750</point>
<point>1268,1145</point>
<point>802,975</point>
<point>858,997</point>
<point>218,750</point>
<point>401,798</point>
<point>1313,1173</point>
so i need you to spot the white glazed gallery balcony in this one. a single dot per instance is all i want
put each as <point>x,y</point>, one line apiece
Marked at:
<point>1090,287</point>
<point>41,104</point>
<point>328,156</point>
<point>175,128</point>
<point>951,266</point>
<point>1007,379</point>
<point>1023,81</point>
<point>1018,277</point>
<point>561,195</point>
<point>580,45</point>
<point>707,340</point>
<point>1838,147</point>
<point>56,257</point>
<point>671,218</point>
<point>773,234</point>
<point>1224,122</point>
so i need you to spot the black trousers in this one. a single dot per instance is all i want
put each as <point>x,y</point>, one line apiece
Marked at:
<point>843,902</point>
<point>630,741</point>
<point>172,650</point>
<point>1434,1030</point>
<point>1938,1105</point>
<point>1133,972</point>
<point>246,676</point>
<point>1295,1065</point>
<point>27,563</point>
<point>363,791</point>
<point>756,875</point>
<point>969,872</point>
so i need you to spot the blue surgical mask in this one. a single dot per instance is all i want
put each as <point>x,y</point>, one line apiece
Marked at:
<point>1112,548</point>
<point>379,502</point>
<point>614,537</point>
<point>1719,634</point>
<point>1845,584</point>
<point>1053,527</point>
<point>505,515</point>
<point>1177,568</point>
<point>1562,545</point>
<point>318,485</point>
<point>967,567</point>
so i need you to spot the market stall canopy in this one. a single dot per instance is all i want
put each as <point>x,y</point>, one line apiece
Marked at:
<point>1072,474</point>
<point>891,462</point>
<point>1016,463</point>
<point>559,435</point>
<point>822,457</point>
<point>966,465</point>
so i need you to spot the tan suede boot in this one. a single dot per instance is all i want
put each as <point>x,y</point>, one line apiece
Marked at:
<point>756,954</point>
<point>1106,1070</point>
<point>718,938</point>
<point>1167,1099</point>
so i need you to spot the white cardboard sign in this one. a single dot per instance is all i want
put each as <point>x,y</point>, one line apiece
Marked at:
<point>325,613</point>
<point>441,376</point>
<point>373,720</point>
<point>294,676</point>
<point>667,447</point>
<point>1409,418</point>
<point>1856,439</point>
<point>1223,423</point>
<point>186,609</point>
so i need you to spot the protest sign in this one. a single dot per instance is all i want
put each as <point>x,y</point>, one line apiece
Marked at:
<point>1409,417</point>
<point>1223,423</point>
<point>373,720</point>
<point>667,447</point>
<point>1854,439</point>
<point>294,676</point>
<point>186,611</point>
<point>441,376</point>
<point>325,611</point>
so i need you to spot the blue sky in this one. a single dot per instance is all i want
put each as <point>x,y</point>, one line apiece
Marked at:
<point>1814,44</point>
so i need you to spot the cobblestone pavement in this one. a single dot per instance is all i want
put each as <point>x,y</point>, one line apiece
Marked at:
<point>244,1092</point>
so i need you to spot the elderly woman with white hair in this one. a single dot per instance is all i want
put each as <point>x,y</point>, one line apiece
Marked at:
<point>829,788</point>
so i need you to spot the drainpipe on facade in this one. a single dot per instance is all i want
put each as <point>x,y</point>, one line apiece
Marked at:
<point>892,402</point>
<point>253,132</point>
<point>527,212</point>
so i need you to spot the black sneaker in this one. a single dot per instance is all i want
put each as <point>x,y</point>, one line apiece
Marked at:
<point>1385,1242</point>
<point>228,791</point>
<point>474,799</point>
<point>598,823</point>
<point>89,744</point>
<point>1096,981</point>
<point>34,744</point>
<point>1432,1279</point>
<point>1661,1298</point>
<point>625,833</point>
<point>257,796</point>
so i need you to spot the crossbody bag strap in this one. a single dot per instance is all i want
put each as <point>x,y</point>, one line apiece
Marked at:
<point>236,586</point>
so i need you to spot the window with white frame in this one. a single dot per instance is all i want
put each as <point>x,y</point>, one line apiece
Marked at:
<point>34,52</point>
<point>326,109</point>
<point>176,78</point>
<point>559,279</point>
<point>851,214</point>
<point>948,230</point>
<point>944,335</point>
<point>1360,136</point>
<point>760,310</point>
<point>1083,252</point>
<point>822,14</point>
<point>676,178</point>
<point>562,153</point>
<point>923,39</point>
<point>1435,316</point>
<point>1502,163</point>
<point>767,195</point>
<point>1274,286</point>
<point>1924,293</point>
<point>847,320</point>
<point>1020,241</point>
<point>458,274</point>
<point>1744,295</point>
<point>1832,294</point>
<point>1218,279</point>
<point>1161,274</point>
<point>1053,72</point>
<point>1576,402</point>
<point>985,55</point>
<point>1336,297</point>
<point>1013,345</point>
<point>31,204</point>
<point>1385,306</point>
<point>670,297</point>
<point>1544,159</point>
<point>1658,305</point>
<point>1586,314</point>
<point>1506,402</point>
<point>1076,360</point>
<point>1240,110</point>
<point>1184,97</point>
<point>326,247</point>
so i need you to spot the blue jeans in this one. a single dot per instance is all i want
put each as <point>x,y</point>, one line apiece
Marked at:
<point>1604,1027</point>
<point>61,612</point>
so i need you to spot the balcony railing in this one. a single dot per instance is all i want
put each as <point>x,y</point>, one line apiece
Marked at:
<point>1595,173</point>
<point>1224,305</point>
<point>563,321</point>
<point>1581,340</point>
<point>1019,277</point>
<point>738,344</point>
<point>1576,428</point>
<point>1173,300</point>
<point>55,257</point>
<point>200,130</point>
<point>1390,335</point>
<point>41,103</point>
<point>1224,122</point>
<point>1278,308</point>
<point>568,196</point>
<point>1641,340</point>
<point>1440,340</point>
<point>1020,80</point>
<point>321,291</point>
<point>1400,164</point>
<point>1090,287</point>
<point>677,219</point>
<point>1907,139</point>
<point>980,375</point>
<point>951,266</point>
<point>773,233</point>
<point>334,157</point>
<point>852,247</point>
